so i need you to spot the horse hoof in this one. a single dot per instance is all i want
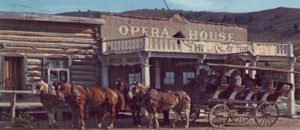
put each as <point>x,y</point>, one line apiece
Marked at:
<point>139,126</point>
<point>82,128</point>
<point>99,125</point>
<point>186,126</point>
<point>110,127</point>
<point>173,125</point>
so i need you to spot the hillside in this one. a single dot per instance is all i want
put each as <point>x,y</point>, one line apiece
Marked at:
<point>273,25</point>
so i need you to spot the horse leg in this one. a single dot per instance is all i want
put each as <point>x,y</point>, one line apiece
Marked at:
<point>49,118</point>
<point>74,116</point>
<point>178,115</point>
<point>139,116</point>
<point>102,118</point>
<point>166,117</point>
<point>52,113</point>
<point>113,115</point>
<point>187,115</point>
<point>81,115</point>
<point>150,119</point>
<point>156,120</point>
<point>134,116</point>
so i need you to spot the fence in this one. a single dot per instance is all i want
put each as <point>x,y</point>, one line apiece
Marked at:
<point>13,102</point>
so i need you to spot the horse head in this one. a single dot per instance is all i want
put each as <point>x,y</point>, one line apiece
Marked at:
<point>139,89</point>
<point>63,90</point>
<point>40,87</point>
<point>122,86</point>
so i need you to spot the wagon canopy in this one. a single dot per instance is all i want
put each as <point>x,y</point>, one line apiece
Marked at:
<point>250,68</point>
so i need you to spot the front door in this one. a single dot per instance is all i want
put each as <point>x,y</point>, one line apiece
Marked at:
<point>12,73</point>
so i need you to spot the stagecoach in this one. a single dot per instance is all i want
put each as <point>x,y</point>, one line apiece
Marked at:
<point>222,111</point>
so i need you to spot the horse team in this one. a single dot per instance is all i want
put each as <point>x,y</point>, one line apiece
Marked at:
<point>79,98</point>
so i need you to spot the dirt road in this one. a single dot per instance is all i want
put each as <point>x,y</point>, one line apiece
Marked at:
<point>200,124</point>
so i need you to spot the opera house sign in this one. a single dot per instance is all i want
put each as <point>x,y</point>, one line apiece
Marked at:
<point>193,34</point>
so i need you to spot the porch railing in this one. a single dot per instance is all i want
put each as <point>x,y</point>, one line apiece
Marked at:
<point>13,101</point>
<point>181,45</point>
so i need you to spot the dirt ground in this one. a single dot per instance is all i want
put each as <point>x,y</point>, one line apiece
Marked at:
<point>124,122</point>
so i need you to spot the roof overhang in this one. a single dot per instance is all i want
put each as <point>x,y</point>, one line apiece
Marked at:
<point>50,18</point>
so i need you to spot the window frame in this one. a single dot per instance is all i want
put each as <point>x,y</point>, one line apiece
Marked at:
<point>188,74</point>
<point>65,68</point>
<point>169,78</point>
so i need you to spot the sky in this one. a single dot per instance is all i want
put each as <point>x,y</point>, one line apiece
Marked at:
<point>116,6</point>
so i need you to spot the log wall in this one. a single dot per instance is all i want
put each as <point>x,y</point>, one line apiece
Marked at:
<point>39,40</point>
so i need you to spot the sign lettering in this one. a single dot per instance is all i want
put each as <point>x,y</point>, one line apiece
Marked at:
<point>193,34</point>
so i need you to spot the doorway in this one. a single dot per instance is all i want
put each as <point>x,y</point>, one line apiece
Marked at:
<point>12,73</point>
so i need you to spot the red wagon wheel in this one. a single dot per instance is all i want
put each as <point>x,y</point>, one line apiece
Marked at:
<point>266,114</point>
<point>219,115</point>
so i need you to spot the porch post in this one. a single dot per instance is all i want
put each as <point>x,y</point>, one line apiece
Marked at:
<point>253,62</point>
<point>1,73</point>
<point>291,79</point>
<point>200,61</point>
<point>146,71</point>
<point>291,96</point>
<point>104,74</point>
<point>157,75</point>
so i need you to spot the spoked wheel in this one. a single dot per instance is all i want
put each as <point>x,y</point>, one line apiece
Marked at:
<point>194,115</point>
<point>219,115</point>
<point>266,114</point>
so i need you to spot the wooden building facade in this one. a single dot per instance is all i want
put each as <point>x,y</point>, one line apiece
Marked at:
<point>161,53</point>
<point>48,47</point>
<point>166,53</point>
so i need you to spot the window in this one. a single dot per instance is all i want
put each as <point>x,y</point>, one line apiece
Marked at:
<point>169,78</point>
<point>134,77</point>
<point>187,76</point>
<point>57,70</point>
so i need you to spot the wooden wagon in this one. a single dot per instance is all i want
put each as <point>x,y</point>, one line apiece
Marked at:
<point>264,110</point>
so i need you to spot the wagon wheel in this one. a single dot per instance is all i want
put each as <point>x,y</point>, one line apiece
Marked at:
<point>266,114</point>
<point>194,115</point>
<point>219,115</point>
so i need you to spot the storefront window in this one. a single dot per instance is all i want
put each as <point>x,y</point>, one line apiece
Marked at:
<point>57,70</point>
<point>134,77</point>
<point>187,76</point>
<point>169,78</point>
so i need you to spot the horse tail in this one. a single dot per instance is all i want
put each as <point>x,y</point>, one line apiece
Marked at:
<point>121,99</point>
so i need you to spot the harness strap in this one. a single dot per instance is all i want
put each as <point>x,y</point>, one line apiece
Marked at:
<point>49,91</point>
<point>88,94</point>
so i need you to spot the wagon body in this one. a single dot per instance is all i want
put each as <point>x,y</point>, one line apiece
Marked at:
<point>265,110</point>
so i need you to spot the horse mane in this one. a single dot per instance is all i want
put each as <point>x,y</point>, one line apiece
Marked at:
<point>43,85</point>
<point>143,87</point>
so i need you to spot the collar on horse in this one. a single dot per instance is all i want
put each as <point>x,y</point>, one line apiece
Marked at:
<point>76,94</point>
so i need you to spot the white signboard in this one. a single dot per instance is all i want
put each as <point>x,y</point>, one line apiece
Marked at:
<point>227,48</point>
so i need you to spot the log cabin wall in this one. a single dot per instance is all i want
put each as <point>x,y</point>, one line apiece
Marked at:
<point>39,41</point>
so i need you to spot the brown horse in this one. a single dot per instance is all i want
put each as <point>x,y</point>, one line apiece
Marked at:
<point>154,102</point>
<point>48,98</point>
<point>132,107</point>
<point>77,97</point>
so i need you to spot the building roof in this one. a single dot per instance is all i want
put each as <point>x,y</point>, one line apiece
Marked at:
<point>166,19</point>
<point>95,14</point>
<point>50,18</point>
